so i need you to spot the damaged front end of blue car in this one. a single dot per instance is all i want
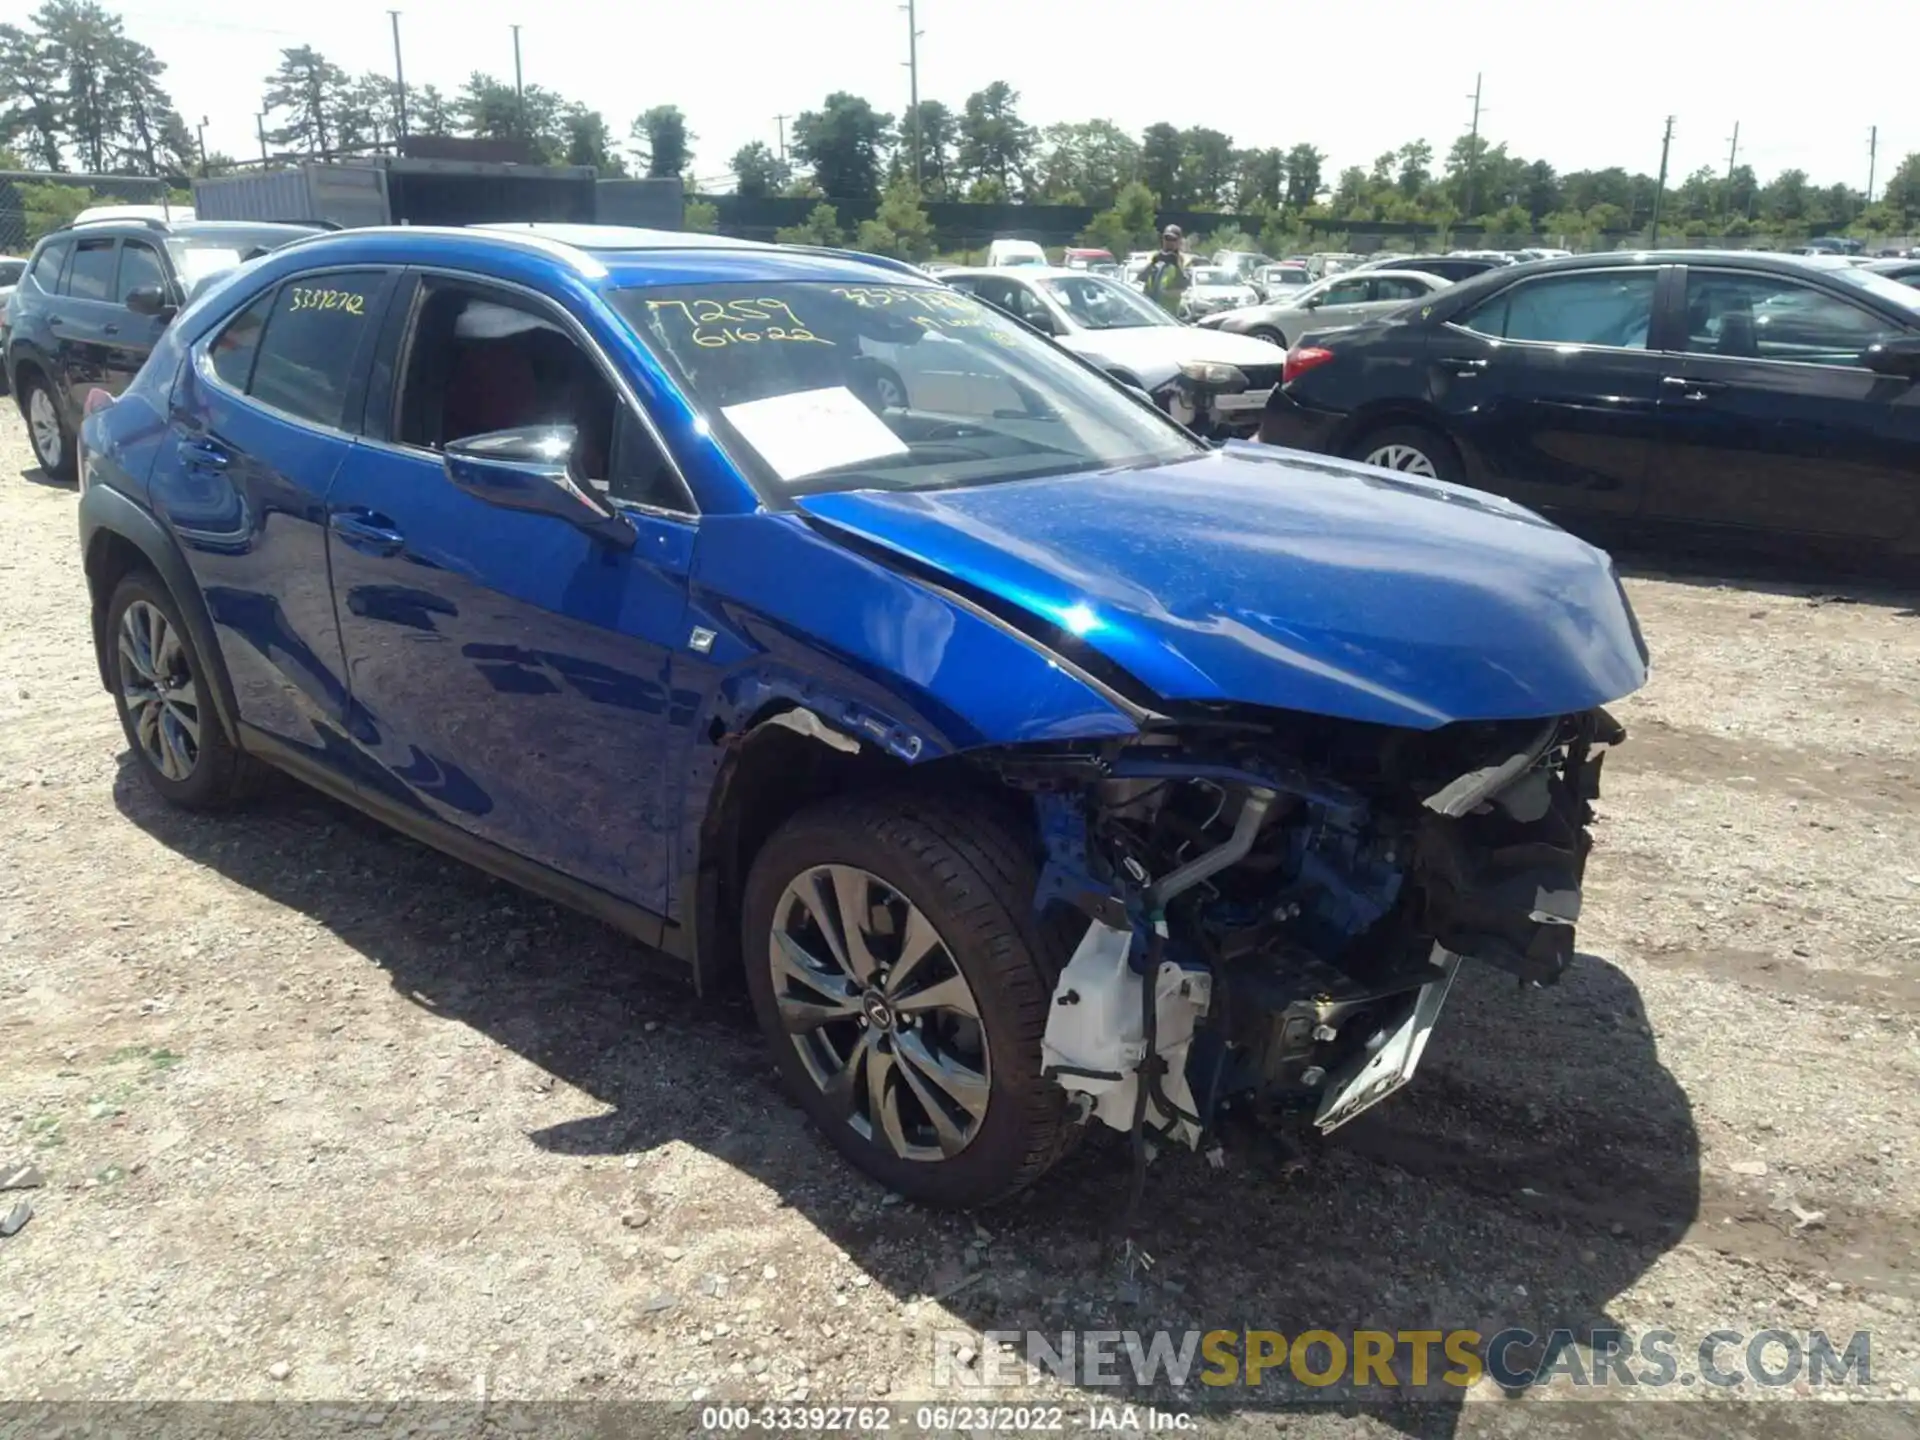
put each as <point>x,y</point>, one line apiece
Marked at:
<point>1366,733</point>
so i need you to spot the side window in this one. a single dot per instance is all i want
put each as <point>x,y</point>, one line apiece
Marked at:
<point>1030,307</point>
<point>1609,307</point>
<point>1763,317</point>
<point>232,351</point>
<point>318,328</point>
<point>139,265</point>
<point>1393,289</point>
<point>484,360</point>
<point>46,270</point>
<point>11,271</point>
<point>90,277</point>
<point>1345,292</point>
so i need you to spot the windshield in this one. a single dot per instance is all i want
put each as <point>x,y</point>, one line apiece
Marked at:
<point>1096,303</point>
<point>198,254</point>
<point>815,387</point>
<point>1286,277</point>
<point>1885,286</point>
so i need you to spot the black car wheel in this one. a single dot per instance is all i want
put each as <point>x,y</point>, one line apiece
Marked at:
<point>1268,334</point>
<point>1412,450</point>
<point>899,973</point>
<point>160,689</point>
<point>52,441</point>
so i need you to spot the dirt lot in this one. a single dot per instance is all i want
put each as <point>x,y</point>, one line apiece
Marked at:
<point>321,1114</point>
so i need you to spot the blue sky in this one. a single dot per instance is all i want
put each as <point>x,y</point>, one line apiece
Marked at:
<point>1581,86</point>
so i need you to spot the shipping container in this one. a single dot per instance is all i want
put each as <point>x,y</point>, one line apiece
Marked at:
<point>397,191</point>
<point>655,204</point>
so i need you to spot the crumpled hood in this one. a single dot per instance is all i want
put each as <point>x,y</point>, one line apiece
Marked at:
<point>1155,353</point>
<point>1274,578</point>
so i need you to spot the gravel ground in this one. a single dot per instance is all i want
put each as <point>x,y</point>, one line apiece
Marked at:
<point>321,1114</point>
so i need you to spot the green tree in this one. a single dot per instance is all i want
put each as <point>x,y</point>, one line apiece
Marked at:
<point>901,228</point>
<point>487,108</point>
<point>589,140</point>
<point>936,135</point>
<point>86,47</point>
<point>821,227</point>
<point>843,142</point>
<point>1161,151</point>
<point>1414,172</point>
<point>1260,179</point>
<point>369,117</point>
<point>31,109</point>
<point>1304,173</point>
<point>1206,167</point>
<point>758,171</point>
<point>429,112</point>
<point>666,145</point>
<point>309,90</point>
<point>1087,163</point>
<point>702,216</point>
<point>1127,225</point>
<point>153,138</point>
<point>995,143</point>
<point>1902,192</point>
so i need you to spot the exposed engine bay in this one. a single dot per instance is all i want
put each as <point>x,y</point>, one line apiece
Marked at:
<point>1277,906</point>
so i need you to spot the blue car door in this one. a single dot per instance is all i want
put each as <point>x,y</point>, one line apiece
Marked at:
<point>258,429</point>
<point>509,673</point>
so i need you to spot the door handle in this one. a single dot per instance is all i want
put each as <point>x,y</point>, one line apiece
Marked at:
<point>366,531</point>
<point>55,320</point>
<point>205,455</point>
<point>1695,389</point>
<point>1464,367</point>
<point>110,329</point>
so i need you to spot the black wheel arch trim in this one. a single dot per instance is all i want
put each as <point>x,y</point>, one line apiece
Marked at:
<point>104,512</point>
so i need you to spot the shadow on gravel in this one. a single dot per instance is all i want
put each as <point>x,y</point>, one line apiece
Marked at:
<point>34,475</point>
<point>1540,1164</point>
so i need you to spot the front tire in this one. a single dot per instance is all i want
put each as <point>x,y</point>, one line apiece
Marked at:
<point>1411,450</point>
<point>163,694</point>
<point>902,979</point>
<point>1268,334</point>
<point>52,441</point>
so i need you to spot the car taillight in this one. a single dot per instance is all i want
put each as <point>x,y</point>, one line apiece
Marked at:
<point>1302,358</point>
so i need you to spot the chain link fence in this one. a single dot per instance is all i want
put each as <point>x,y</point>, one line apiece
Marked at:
<point>32,202</point>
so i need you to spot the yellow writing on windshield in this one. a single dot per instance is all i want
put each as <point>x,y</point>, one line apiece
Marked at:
<point>345,301</point>
<point>714,324</point>
<point>932,310</point>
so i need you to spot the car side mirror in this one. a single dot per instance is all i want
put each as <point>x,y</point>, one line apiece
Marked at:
<point>532,470</point>
<point>1312,302</point>
<point>1899,356</point>
<point>150,300</point>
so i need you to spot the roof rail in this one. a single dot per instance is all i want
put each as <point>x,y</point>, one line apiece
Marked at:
<point>146,220</point>
<point>841,253</point>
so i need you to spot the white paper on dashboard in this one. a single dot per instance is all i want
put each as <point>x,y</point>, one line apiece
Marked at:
<point>809,431</point>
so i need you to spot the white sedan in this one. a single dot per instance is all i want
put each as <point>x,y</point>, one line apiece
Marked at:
<point>1216,383</point>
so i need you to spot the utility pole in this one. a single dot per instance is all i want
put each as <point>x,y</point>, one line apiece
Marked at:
<point>1660,189</point>
<point>1733,151</point>
<point>913,86</point>
<point>781,121</point>
<point>202,127</point>
<point>1473,149</point>
<point>519,91</point>
<point>260,129</point>
<point>399,79</point>
<point>1873,156</point>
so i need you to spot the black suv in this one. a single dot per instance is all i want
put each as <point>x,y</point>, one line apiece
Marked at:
<point>95,298</point>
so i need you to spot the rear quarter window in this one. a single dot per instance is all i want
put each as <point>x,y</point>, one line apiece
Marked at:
<point>319,327</point>
<point>47,265</point>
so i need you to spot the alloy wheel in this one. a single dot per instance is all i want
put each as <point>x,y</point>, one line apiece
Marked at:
<point>157,684</point>
<point>881,1016</point>
<point>43,423</point>
<point>1404,458</point>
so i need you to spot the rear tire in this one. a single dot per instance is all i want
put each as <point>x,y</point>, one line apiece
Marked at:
<point>1268,334</point>
<point>164,695</point>
<point>47,432</point>
<point>941,893</point>
<point>1411,450</point>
